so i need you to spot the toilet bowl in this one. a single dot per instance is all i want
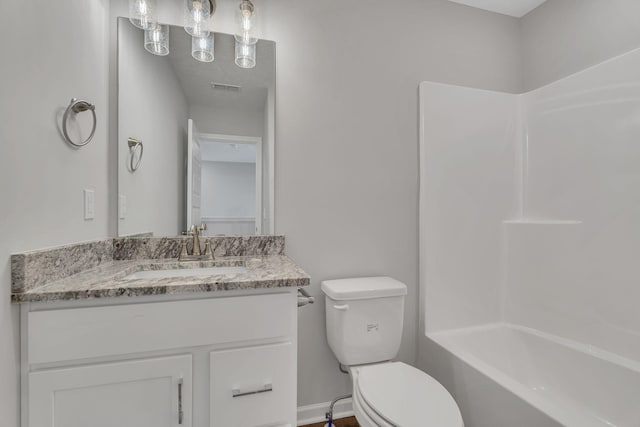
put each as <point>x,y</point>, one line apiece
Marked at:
<point>364,328</point>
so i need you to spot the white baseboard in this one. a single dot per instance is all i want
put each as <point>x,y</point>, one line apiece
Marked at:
<point>315,413</point>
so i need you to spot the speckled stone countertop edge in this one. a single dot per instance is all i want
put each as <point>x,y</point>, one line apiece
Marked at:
<point>108,280</point>
<point>34,269</point>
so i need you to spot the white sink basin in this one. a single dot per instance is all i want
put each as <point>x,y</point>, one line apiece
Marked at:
<point>185,272</point>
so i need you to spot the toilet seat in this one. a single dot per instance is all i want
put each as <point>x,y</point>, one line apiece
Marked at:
<point>398,395</point>
<point>366,416</point>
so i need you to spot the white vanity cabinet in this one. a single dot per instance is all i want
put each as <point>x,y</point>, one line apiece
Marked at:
<point>228,361</point>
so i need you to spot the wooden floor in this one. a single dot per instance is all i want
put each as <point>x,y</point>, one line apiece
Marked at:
<point>344,422</point>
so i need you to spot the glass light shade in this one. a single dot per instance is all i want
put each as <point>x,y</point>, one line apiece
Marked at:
<point>156,40</point>
<point>245,54</point>
<point>202,48</point>
<point>142,13</point>
<point>246,23</point>
<point>196,15</point>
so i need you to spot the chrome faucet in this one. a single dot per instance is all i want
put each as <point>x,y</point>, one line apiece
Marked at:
<point>196,253</point>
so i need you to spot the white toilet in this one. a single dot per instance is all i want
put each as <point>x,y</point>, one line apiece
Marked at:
<point>364,329</point>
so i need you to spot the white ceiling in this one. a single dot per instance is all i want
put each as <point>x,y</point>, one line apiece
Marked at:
<point>516,8</point>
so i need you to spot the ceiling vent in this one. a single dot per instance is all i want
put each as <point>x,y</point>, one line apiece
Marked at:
<point>222,86</point>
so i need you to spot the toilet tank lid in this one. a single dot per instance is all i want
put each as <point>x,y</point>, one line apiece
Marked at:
<point>363,288</point>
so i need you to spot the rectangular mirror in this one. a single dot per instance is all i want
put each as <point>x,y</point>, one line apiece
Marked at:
<point>195,139</point>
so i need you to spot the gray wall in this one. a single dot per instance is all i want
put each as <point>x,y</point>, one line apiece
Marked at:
<point>62,55</point>
<point>562,37</point>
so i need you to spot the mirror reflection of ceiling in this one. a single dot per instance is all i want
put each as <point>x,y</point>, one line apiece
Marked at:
<point>196,81</point>
<point>515,8</point>
<point>213,151</point>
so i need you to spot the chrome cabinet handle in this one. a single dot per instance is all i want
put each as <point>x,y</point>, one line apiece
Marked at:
<point>180,411</point>
<point>236,392</point>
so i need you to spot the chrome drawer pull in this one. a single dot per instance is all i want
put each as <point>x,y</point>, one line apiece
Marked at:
<point>180,411</point>
<point>239,393</point>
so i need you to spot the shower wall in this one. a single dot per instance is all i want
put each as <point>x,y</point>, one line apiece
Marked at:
<point>468,186</point>
<point>576,273</point>
<point>530,207</point>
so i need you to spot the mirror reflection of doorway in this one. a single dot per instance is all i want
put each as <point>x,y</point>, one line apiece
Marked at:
<point>231,184</point>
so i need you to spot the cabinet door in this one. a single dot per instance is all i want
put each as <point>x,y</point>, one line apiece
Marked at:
<point>253,387</point>
<point>143,393</point>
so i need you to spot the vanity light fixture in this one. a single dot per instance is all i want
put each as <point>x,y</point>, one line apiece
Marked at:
<point>202,48</point>
<point>246,38</point>
<point>142,13</point>
<point>156,40</point>
<point>196,14</point>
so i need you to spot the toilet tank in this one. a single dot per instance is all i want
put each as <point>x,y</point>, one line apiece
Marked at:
<point>364,318</point>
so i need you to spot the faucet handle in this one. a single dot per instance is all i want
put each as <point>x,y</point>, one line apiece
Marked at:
<point>207,250</point>
<point>183,251</point>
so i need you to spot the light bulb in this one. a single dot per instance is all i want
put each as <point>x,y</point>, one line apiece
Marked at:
<point>142,13</point>
<point>246,18</point>
<point>196,13</point>
<point>246,21</point>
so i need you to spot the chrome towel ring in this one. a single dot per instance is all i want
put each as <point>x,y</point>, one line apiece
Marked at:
<point>78,106</point>
<point>134,144</point>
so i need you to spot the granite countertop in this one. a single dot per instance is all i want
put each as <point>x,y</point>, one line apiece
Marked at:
<point>109,279</point>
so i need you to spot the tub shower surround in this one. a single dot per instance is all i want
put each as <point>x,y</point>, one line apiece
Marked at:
<point>99,269</point>
<point>541,327</point>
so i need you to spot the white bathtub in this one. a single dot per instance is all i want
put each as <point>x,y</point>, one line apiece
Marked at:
<point>510,376</point>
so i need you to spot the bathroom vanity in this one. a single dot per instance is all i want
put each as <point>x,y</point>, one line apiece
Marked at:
<point>108,347</point>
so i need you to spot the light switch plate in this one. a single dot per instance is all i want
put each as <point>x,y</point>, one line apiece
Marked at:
<point>89,204</point>
<point>122,206</point>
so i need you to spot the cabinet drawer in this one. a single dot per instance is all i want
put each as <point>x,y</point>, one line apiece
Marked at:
<point>253,387</point>
<point>80,333</point>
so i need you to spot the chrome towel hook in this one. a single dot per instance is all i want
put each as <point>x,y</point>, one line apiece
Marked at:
<point>134,144</point>
<point>78,106</point>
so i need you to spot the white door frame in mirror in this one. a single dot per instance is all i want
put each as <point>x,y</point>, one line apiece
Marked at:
<point>257,141</point>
